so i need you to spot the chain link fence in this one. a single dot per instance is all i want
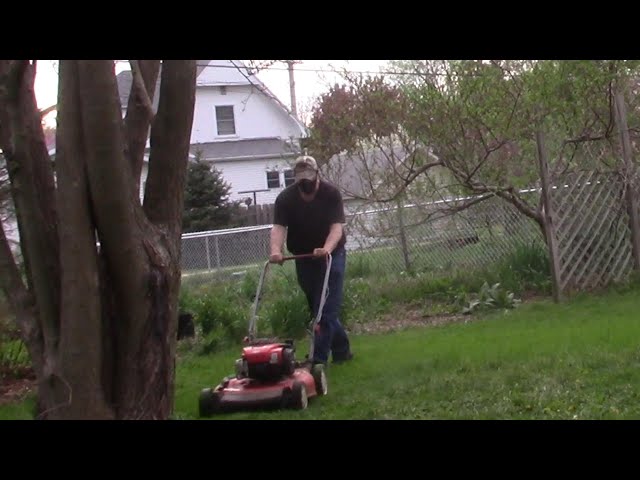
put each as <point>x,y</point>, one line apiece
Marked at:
<point>396,239</point>
<point>223,253</point>
<point>436,237</point>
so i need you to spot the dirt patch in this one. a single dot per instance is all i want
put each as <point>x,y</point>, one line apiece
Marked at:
<point>403,319</point>
<point>14,390</point>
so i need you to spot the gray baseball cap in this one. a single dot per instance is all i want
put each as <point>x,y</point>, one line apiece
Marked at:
<point>305,168</point>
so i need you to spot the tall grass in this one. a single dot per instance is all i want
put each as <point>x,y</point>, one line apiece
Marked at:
<point>525,269</point>
<point>14,358</point>
<point>222,310</point>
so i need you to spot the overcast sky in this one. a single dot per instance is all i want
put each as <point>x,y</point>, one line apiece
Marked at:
<point>312,78</point>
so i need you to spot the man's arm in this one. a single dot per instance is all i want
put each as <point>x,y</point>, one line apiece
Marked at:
<point>279,230</point>
<point>337,218</point>
<point>335,234</point>
<point>278,235</point>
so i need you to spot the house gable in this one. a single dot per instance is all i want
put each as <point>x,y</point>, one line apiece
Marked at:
<point>255,111</point>
<point>238,125</point>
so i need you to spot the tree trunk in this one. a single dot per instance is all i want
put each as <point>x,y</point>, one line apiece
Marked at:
<point>33,191</point>
<point>99,313</point>
<point>80,352</point>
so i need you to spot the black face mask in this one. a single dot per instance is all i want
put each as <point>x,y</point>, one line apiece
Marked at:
<point>307,186</point>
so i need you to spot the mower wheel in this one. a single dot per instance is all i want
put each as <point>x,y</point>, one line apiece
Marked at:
<point>299,399</point>
<point>320,378</point>
<point>209,402</point>
<point>288,360</point>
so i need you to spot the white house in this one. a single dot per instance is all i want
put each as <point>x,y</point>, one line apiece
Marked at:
<point>239,126</point>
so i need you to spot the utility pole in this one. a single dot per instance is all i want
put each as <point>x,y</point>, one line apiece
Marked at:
<point>292,87</point>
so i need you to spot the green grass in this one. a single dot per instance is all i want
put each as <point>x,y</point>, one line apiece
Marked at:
<point>578,360</point>
<point>542,361</point>
<point>18,411</point>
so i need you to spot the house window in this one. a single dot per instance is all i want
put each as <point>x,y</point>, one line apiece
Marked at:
<point>273,179</point>
<point>225,120</point>
<point>223,90</point>
<point>288,178</point>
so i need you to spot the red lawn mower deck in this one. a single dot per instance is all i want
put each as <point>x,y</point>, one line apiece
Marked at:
<point>268,375</point>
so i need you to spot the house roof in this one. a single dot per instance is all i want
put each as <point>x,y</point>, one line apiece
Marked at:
<point>257,148</point>
<point>350,172</point>
<point>229,72</point>
<point>125,79</point>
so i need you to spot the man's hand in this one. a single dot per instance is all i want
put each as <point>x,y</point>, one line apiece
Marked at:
<point>320,252</point>
<point>276,258</point>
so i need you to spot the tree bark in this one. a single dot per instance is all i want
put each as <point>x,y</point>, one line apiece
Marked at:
<point>33,190</point>
<point>81,354</point>
<point>99,309</point>
<point>140,113</point>
<point>163,204</point>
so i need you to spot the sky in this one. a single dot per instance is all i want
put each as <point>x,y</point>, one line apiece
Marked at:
<point>312,78</point>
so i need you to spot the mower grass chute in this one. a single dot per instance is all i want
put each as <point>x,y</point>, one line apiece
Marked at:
<point>267,375</point>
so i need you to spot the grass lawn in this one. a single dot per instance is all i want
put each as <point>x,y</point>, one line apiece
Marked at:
<point>579,360</point>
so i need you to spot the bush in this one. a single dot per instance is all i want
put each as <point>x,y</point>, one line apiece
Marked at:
<point>14,357</point>
<point>289,315</point>
<point>249,285</point>
<point>361,301</point>
<point>221,310</point>
<point>526,268</point>
<point>220,317</point>
<point>284,306</point>
<point>359,266</point>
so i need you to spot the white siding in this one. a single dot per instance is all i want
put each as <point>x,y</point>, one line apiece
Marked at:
<point>226,73</point>
<point>256,116</point>
<point>252,175</point>
<point>143,179</point>
<point>12,233</point>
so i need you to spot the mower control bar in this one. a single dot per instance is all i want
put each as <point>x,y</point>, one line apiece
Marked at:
<point>254,317</point>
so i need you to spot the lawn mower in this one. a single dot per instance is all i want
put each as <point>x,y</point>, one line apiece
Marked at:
<point>268,375</point>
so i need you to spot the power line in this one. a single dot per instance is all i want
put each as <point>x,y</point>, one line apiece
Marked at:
<point>254,71</point>
<point>330,70</point>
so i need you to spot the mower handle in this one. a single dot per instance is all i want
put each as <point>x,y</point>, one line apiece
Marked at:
<point>300,257</point>
<point>253,320</point>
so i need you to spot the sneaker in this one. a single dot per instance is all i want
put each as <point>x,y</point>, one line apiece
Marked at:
<point>346,358</point>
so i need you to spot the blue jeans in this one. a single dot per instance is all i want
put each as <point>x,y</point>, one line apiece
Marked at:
<point>331,338</point>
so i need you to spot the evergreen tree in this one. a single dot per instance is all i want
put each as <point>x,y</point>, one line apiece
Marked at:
<point>206,201</point>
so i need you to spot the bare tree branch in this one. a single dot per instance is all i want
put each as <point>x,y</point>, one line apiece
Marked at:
<point>138,81</point>
<point>140,113</point>
<point>489,151</point>
<point>46,111</point>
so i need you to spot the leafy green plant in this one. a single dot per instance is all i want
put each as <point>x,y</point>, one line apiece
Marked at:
<point>525,268</point>
<point>14,357</point>
<point>361,302</point>
<point>218,316</point>
<point>288,316</point>
<point>249,285</point>
<point>489,297</point>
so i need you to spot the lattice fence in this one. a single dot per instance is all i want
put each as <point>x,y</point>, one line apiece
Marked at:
<point>592,229</point>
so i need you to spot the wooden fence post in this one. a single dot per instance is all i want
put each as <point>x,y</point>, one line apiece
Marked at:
<point>630,188</point>
<point>403,235</point>
<point>547,217</point>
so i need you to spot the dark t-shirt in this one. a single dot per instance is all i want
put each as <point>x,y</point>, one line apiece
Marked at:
<point>308,223</point>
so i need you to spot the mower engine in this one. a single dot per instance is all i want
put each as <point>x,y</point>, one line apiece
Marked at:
<point>266,362</point>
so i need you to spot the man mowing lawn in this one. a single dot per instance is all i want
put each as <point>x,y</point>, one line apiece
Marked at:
<point>310,215</point>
